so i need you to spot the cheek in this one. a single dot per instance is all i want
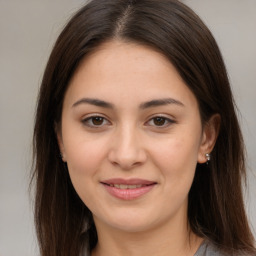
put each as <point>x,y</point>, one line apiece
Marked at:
<point>84,160</point>
<point>84,155</point>
<point>177,158</point>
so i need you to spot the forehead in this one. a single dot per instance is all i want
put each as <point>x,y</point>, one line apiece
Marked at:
<point>119,68</point>
<point>125,57</point>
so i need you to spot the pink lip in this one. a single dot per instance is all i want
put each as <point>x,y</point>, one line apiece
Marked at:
<point>129,193</point>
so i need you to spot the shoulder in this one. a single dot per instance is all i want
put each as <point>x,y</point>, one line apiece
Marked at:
<point>207,248</point>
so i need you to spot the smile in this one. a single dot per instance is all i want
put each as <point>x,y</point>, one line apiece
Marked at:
<point>125,186</point>
<point>128,189</point>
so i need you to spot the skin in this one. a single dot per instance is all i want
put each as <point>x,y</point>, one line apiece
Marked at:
<point>127,141</point>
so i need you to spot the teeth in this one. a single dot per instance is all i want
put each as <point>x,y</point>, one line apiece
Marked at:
<point>132,186</point>
<point>125,186</point>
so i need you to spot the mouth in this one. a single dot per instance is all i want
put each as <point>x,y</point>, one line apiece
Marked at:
<point>128,189</point>
<point>126,186</point>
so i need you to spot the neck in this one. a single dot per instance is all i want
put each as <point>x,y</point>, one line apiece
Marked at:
<point>170,239</point>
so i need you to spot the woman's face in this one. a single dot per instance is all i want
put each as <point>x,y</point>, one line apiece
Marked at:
<point>131,135</point>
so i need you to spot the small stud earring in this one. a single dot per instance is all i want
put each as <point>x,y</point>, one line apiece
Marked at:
<point>208,158</point>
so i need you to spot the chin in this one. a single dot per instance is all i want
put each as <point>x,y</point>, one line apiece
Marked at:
<point>129,222</point>
<point>132,227</point>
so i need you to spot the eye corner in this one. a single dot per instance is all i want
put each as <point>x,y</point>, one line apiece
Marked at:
<point>160,121</point>
<point>95,121</point>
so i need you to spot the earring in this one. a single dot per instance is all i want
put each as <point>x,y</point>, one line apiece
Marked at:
<point>208,158</point>
<point>60,155</point>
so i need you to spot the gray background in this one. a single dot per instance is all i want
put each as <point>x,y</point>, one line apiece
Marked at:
<point>28,29</point>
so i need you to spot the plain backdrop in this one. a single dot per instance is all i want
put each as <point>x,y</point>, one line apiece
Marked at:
<point>28,29</point>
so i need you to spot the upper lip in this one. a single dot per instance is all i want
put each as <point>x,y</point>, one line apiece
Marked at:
<point>133,181</point>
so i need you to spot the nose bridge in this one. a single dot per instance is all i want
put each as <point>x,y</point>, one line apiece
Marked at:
<point>127,149</point>
<point>128,141</point>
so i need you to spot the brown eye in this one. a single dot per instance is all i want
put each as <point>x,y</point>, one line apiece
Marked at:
<point>97,120</point>
<point>159,121</point>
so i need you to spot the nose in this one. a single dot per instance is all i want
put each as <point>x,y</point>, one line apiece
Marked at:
<point>126,150</point>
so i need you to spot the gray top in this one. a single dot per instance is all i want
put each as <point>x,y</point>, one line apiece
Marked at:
<point>208,249</point>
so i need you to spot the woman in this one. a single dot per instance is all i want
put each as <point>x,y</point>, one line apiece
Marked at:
<point>136,100</point>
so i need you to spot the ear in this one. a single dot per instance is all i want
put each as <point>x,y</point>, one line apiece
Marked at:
<point>60,141</point>
<point>209,137</point>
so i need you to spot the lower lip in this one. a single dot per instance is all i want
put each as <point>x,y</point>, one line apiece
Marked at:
<point>128,194</point>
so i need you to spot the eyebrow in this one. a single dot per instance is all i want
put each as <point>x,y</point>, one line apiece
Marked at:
<point>160,102</point>
<point>95,102</point>
<point>148,104</point>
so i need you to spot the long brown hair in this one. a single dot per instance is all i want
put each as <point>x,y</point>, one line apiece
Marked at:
<point>216,209</point>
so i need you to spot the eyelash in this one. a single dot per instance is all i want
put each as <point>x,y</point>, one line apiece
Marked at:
<point>167,121</point>
<point>89,121</point>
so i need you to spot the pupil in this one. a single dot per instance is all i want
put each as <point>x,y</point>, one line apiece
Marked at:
<point>159,121</point>
<point>97,120</point>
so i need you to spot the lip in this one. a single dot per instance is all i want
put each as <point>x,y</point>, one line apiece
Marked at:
<point>128,193</point>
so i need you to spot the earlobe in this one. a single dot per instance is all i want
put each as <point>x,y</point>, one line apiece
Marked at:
<point>209,137</point>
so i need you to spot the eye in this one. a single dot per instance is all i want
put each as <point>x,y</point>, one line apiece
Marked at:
<point>95,121</point>
<point>160,121</point>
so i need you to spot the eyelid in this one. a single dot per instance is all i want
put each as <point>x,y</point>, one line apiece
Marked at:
<point>106,121</point>
<point>94,115</point>
<point>168,119</point>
